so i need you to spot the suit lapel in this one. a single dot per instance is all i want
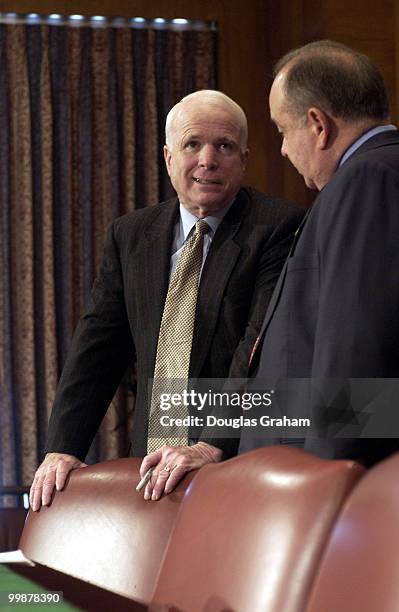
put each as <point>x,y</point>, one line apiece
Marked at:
<point>154,265</point>
<point>219,264</point>
<point>279,286</point>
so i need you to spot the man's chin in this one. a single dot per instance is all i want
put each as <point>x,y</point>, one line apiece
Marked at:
<point>309,183</point>
<point>201,208</point>
<point>207,208</point>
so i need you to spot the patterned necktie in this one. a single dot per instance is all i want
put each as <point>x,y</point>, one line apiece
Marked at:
<point>175,339</point>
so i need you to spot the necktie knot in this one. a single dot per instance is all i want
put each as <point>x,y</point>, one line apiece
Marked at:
<point>201,228</point>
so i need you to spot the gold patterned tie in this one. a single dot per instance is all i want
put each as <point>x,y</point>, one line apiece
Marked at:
<point>175,339</point>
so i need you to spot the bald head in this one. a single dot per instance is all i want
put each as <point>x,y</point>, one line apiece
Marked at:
<point>201,101</point>
<point>323,98</point>
<point>336,79</point>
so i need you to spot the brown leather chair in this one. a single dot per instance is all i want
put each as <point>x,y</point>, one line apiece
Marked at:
<point>101,530</point>
<point>251,531</point>
<point>359,571</point>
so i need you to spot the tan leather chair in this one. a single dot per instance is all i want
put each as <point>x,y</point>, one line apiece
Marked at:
<point>359,571</point>
<point>251,531</point>
<point>101,530</point>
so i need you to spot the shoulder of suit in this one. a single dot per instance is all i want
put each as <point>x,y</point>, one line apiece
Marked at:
<point>144,217</point>
<point>355,184</point>
<point>380,162</point>
<point>272,206</point>
<point>381,150</point>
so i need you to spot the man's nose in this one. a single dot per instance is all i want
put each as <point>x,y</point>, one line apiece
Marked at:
<point>208,157</point>
<point>283,149</point>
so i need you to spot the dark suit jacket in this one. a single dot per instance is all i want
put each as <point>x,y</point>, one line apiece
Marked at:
<point>238,278</point>
<point>335,310</point>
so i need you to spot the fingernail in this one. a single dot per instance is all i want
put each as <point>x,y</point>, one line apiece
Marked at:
<point>147,496</point>
<point>154,497</point>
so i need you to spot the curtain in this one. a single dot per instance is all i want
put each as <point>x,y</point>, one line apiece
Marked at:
<point>82,113</point>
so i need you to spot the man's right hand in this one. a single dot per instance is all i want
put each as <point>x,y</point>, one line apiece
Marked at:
<point>51,473</point>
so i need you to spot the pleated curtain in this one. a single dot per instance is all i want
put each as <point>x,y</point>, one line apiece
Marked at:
<point>82,112</point>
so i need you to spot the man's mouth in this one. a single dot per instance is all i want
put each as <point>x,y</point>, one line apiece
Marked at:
<point>203,181</point>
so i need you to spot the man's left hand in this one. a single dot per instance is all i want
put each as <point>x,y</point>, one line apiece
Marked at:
<point>171,463</point>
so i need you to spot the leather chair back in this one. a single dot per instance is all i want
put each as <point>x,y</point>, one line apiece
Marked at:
<point>359,570</point>
<point>251,532</point>
<point>101,530</point>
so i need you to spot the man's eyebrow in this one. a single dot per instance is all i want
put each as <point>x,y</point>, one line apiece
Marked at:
<point>224,139</point>
<point>189,136</point>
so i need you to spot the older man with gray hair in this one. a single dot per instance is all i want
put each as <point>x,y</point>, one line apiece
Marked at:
<point>182,290</point>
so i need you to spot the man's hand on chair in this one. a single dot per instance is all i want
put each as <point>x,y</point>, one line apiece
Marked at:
<point>171,463</point>
<point>52,473</point>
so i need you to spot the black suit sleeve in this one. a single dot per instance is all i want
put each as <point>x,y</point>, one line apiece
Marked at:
<point>101,350</point>
<point>358,290</point>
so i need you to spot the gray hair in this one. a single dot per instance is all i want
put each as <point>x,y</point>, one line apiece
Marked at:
<point>207,97</point>
<point>336,79</point>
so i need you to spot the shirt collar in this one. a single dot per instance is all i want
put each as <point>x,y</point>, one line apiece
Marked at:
<point>188,220</point>
<point>363,138</point>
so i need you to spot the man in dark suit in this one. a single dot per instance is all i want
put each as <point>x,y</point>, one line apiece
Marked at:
<point>334,312</point>
<point>243,252</point>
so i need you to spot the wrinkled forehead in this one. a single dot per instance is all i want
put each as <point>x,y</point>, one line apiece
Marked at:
<point>206,115</point>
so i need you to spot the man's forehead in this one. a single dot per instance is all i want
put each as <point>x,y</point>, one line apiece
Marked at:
<point>275,91</point>
<point>277,100</point>
<point>274,114</point>
<point>201,125</point>
<point>207,124</point>
<point>205,114</point>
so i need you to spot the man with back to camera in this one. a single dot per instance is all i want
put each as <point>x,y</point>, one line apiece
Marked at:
<point>246,242</point>
<point>339,291</point>
<point>334,312</point>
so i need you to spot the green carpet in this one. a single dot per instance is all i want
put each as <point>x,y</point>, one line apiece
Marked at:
<point>10,582</point>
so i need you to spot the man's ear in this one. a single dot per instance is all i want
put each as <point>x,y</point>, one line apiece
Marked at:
<point>244,157</point>
<point>321,126</point>
<point>167,156</point>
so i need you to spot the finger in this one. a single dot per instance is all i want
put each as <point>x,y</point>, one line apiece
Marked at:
<point>32,490</point>
<point>150,461</point>
<point>61,473</point>
<point>42,475</point>
<point>150,485</point>
<point>36,500</point>
<point>157,459</point>
<point>174,478</point>
<point>143,481</point>
<point>160,483</point>
<point>35,496</point>
<point>48,487</point>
